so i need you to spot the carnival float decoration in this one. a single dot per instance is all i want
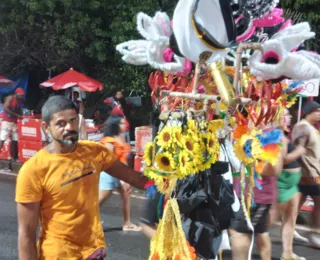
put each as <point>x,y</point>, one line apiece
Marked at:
<point>221,74</point>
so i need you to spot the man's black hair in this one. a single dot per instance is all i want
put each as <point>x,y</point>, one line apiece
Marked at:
<point>112,127</point>
<point>56,104</point>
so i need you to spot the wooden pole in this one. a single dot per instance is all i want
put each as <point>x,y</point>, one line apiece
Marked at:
<point>240,49</point>
<point>165,93</point>
<point>216,98</point>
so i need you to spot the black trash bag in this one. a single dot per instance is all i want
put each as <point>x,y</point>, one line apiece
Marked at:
<point>190,194</point>
<point>198,219</point>
<point>202,231</point>
<point>205,203</point>
<point>223,193</point>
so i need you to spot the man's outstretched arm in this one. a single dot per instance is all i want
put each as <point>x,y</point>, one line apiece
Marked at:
<point>128,175</point>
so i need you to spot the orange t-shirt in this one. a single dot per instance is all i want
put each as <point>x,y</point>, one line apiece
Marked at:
<point>67,186</point>
<point>120,150</point>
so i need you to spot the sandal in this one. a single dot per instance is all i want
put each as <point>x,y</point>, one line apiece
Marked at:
<point>293,257</point>
<point>131,227</point>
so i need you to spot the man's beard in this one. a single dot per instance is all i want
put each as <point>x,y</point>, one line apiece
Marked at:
<point>68,142</point>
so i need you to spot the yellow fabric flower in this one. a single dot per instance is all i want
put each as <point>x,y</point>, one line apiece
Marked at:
<point>177,136</point>
<point>214,125</point>
<point>165,162</point>
<point>148,154</point>
<point>191,145</point>
<point>165,138</point>
<point>206,165</point>
<point>212,144</point>
<point>185,166</point>
<point>255,148</point>
<point>192,125</point>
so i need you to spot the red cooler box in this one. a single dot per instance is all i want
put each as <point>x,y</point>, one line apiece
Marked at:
<point>29,129</point>
<point>27,149</point>
<point>138,163</point>
<point>143,136</point>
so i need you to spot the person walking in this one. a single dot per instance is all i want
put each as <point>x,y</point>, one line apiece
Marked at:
<point>58,188</point>
<point>306,135</point>
<point>240,233</point>
<point>12,112</point>
<point>114,141</point>
<point>288,191</point>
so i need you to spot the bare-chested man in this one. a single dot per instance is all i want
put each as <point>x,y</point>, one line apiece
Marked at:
<point>306,134</point>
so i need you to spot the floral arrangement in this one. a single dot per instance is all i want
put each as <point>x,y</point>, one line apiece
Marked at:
<point>258,146</point>
<point>180,150</point>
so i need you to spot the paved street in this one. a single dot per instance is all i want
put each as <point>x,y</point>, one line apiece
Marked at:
<point>122,246</point>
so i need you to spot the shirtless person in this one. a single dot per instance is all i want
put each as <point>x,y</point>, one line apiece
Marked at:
<point>60,187</point>
<point>306,134</point>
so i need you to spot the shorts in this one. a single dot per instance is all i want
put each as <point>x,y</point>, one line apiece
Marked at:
<point>287,185</point>
<point>259,219</point>
<point>310,190</point>
<point>6,129</point>
<point>107,182</point>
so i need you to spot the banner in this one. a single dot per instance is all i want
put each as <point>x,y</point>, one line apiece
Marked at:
<point>19,82</point>
<point>309,88</point>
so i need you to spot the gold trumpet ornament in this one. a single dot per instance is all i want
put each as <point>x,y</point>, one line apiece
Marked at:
<point>223,84</point>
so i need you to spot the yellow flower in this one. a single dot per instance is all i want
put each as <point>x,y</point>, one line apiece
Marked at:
<point>191,145</point>
<point>203,125</point>
<point>212,144</point>
<point>165,162</point>
<point>214,125</point>
<point>192,125</point>
<point>148,154</point>
<point>185,166</point>
<point>251,144</point>
<point>165,138</point>
<point>205,165</point>
<point>177,136</point>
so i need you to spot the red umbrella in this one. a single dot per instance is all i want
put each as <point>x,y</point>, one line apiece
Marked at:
<point>5,82</point>
<point>73,78</point>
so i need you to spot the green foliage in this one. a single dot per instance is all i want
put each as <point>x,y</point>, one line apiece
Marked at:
<point>305,10</point>
<point>59,34</point>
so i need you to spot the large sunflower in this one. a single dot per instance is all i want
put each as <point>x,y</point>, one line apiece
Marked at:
<point>185,166</point>
<point>212,144</point>
<point>177,136</point>
<point>165,138</point>
<point>165,162</point>
<point>191,145</point>
<point>148,154</point>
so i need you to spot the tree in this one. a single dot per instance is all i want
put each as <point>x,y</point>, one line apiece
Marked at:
<point>57,35</point>
<point>305,10</point>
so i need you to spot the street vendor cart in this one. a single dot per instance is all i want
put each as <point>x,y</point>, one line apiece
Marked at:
<point>31,137</point>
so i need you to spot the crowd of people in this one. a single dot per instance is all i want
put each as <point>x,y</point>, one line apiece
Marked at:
<point>64,184</point>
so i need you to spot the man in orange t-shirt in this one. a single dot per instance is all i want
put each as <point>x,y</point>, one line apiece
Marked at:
<point>60,187</point>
